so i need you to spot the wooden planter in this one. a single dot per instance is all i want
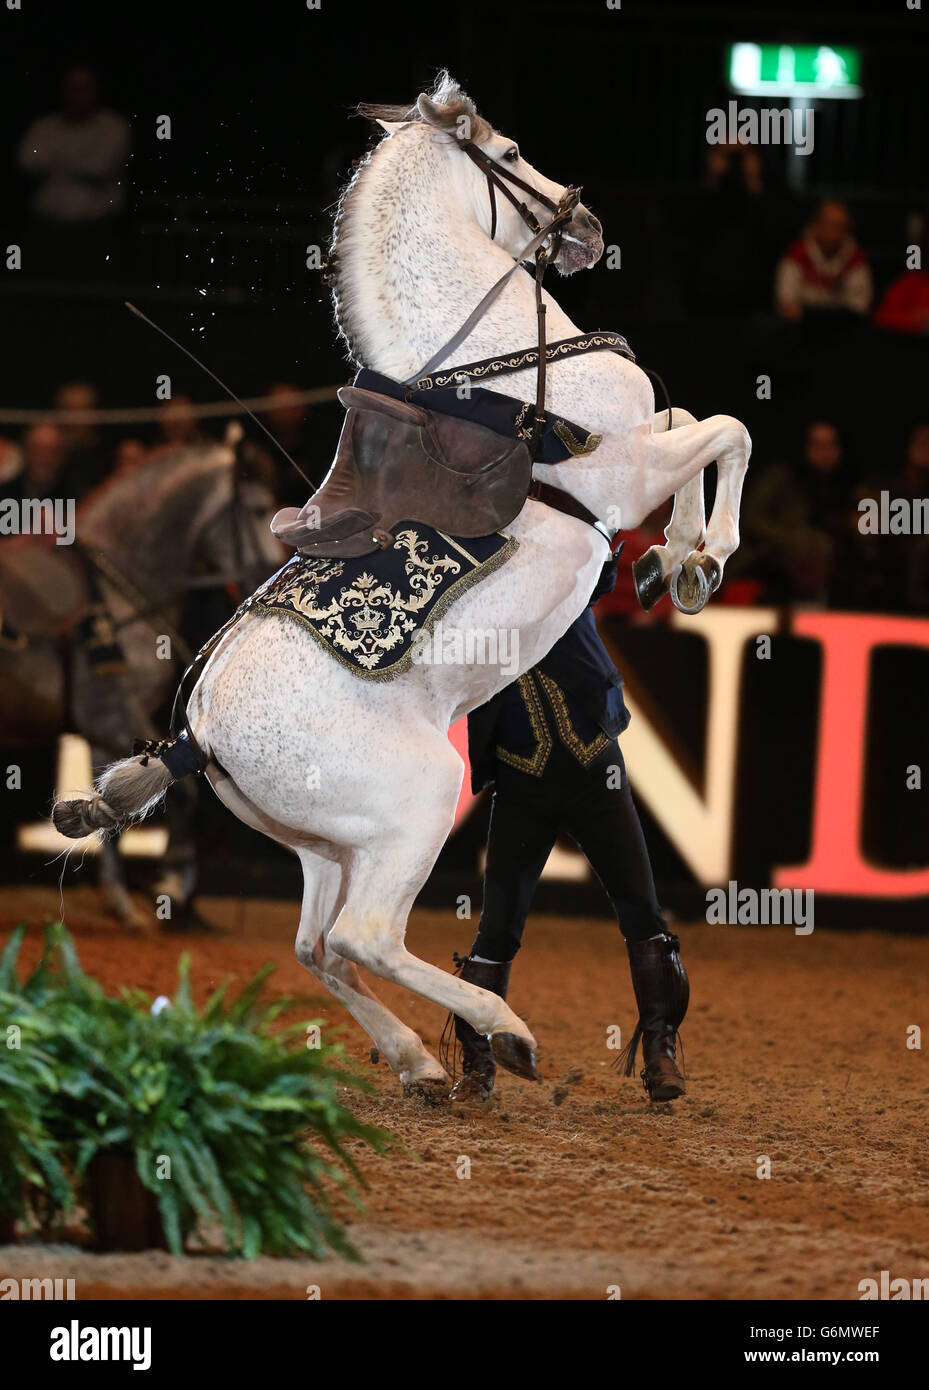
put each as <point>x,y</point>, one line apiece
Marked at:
<point>124,1213</point>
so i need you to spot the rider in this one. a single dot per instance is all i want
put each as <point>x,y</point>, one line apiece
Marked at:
<point>548,744</point>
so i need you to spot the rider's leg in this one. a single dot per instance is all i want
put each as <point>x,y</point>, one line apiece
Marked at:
<point>605,824</point>
<point>519,841</point>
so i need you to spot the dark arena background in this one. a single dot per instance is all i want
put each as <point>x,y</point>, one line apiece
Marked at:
<point>779,740</point>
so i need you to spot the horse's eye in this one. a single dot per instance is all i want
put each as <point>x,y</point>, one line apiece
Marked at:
<point>512,155</point>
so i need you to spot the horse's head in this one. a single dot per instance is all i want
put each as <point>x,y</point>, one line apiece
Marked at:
<point>232,533</point>
<point>451,114</point>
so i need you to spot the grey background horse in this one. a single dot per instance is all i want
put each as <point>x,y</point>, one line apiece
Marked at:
<point>185,519</point>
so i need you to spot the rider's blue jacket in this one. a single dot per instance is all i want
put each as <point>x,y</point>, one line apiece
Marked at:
<point>574,694</point>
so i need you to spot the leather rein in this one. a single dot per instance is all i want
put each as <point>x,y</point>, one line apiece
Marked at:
<point>498,180</point>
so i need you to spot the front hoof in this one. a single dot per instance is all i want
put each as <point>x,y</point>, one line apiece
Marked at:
<point>690,588</point>
<point>515,1053</point>
<point>650,580</point>
<point>713,571</point>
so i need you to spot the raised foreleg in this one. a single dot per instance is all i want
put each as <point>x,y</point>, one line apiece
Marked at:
<point>660,567</point>
<point>673,461</point>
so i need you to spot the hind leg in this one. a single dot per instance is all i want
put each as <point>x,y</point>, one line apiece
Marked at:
<point>322,900</point>
<point>383,880</point>
<point>113,888</point>
<point>177,879</point>
<point>322,897</point>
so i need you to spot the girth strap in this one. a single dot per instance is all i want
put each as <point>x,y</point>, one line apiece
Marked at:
<point>563,501</point>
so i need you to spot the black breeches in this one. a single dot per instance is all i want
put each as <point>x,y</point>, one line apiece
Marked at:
<point>594,805</point>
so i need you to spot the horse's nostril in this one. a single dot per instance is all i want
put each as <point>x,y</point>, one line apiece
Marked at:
<point>586,222</point>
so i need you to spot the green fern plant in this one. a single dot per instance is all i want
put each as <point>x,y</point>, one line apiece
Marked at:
<point>34,1183</point>
<point>230,1118</point>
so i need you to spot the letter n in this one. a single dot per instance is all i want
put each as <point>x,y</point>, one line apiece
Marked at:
<point>835,864</point>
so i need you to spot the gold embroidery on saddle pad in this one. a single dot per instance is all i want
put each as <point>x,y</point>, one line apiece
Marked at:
<point>367,611</point>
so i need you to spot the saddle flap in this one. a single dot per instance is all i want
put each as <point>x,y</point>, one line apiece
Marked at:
<point>466,447</point>
<point>397,461</point>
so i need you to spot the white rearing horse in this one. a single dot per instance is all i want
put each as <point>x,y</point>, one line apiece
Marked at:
<point>359,778</point>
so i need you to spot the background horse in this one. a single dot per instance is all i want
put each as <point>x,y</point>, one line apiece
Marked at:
<point>359,778</point>
<point>98,647</point>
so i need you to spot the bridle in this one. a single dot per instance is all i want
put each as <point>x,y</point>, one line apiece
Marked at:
<point>497,179</point>
<point>495,175</point>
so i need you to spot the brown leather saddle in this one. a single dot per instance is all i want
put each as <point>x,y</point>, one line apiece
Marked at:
<point>397,462</point>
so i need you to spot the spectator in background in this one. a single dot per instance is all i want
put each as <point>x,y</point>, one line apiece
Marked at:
<point>289,421</point>
<point>912,483</point>
<point>78,155</point>
<point>795,516</point>
<point>11,460</point>
<point>78,158</point>
<point>86,463</point>
<point>177,424</point>
<point>826,270</point>
<point>905,305</point>
<point>732,233</point>
<point>130,454</point>
<point>43,462</point>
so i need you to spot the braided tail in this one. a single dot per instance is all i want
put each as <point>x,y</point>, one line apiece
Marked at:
<point>129,790</point>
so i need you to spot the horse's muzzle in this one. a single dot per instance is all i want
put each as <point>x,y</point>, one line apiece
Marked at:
<point>581,242</point>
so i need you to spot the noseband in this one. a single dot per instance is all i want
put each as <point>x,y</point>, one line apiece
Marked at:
<point>495,175</point>
<point>498,179</point>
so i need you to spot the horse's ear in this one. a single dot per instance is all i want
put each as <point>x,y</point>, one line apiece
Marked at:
<point>390,126</point>
<point>432,112</point>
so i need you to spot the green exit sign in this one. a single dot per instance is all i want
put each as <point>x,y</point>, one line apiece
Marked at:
<point>794,70</point>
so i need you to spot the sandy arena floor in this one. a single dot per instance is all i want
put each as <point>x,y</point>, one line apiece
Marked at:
<point>795,1048</point>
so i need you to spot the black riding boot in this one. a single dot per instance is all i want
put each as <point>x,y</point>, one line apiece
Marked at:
<point>662,992</point>
<point>477,1063</point>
